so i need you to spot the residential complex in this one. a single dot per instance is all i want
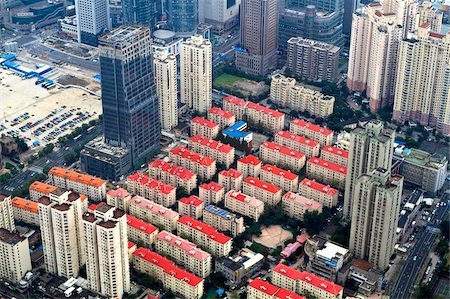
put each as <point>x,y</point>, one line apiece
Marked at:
<point>25,210</point>
<point>211,193</point>
<point>303,128</point>
<point>205,127</point>
<point>244,204</point>
<point>249,166</point>
<point>334,155</point>
<point>295,205</point>
<point>282,156</point>
<point>140,232</point>
<point>223,220</point>
<point>148,187</point>
<point>284,179</point>
<point>6,213</point>
<point>235,106</point>
<point>205,236</point>
<point>286,92</point>
<point>230,179</point>
<point>203,166</point>
<point>302,144</point>
<point>38,189</point>
<point>222,153</point>
<point>221,117</point>
<point>264,191</point>
<point>326,195</point>
<point>173,175</point>
<point>15,256</point>
<point>326,172</point>
<point>191,206</point>
<point>259,288</point>
<point>119,198</point>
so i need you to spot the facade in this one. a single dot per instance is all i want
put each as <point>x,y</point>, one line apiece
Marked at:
<point>301,282</point>
<point>302,144</point>
<point>173,175</point>
<point>423,96</point>
<point>370,147</point>
<point>191,206</point>
<point>285,92</point>
<point>205,127</point>
<point>221,152</point>
<point>203,166</point>
<point>6,213</point>
<point>93,19</point>
<point>182,16</point>
<point>119,198</point>
<point>282,156</point>
<point>223,220</point>
<point>350,7</point>
<point>326,172</point>
<point>259,288</point>
<point>184,253</point>
<point>243,204</point>
<point>249,166</point>
<point>139,231</point>
<point>15,256</point>
<point>205,236</point>
<point>295,205</point>
<point>196,73</point>
<point>235,106</point>
<point>259,36</point>
<point>334,155</point>
<point>284,179</point>
<point>173,278</point>
<point>221,117</point>
<point>222,15</point>
<point>211,193</point>
<point>264,191</point>
<point>303,128</point>
<point>376,208</point>
<point>92,187</point>
<point>25,210</point>
<point>148,187</point>
<point>106,251</point>
<point>153,213</point>
<point>142,12</point>
<point>260,116</point>
<point>313,60</point>
<point>39,189</point>
<point>230,179</point>
<point>165,70</point>
<point>326,195</point>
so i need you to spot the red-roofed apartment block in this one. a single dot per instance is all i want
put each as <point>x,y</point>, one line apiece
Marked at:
<point>334,155</point>
<point>303,128</point>
<point>230,179</point>
<point>148,187</point>
<point>211,193</point>
<point>118,198</point>
<point>191,206</point>
<point>235,106</point>
<point>299,143</point>
<point>221,117</point>
<point>203,166</point>
<point>284,179</point>
<point>301,282</point>
<point>173,175</point>
<point>243,204</point>
<point>249,166</point>
<point>326,172</point>
<point>222,153</point>
<point>205,127</point>
<point>25,210</point>
<point>278,154</point>
<point>296,205</point>
<point>316,191</point>
<point>140,231</point>
<point>264,191</point>
<point>259,288</point>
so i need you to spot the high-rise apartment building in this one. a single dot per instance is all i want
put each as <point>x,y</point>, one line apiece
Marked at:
<point>373,54</point>
<point>376,206</point>
<point>106,251</point>
<point>165,71</point>
<point>142,12</point>
<point>93,19</point>
<point>196,72</point>
<point>257,53</point>
<point>182,16</point>
<point>423,82</point>
<point>371,147</point>
<point>14,255</point>
<point>6,213</point>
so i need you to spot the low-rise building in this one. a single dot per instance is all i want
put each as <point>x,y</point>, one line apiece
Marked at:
<point>230,179</point>
<point>302,144</point>
<point>153,213</point>
<point>235,106</point>
<point>268,119</point>
<point>191,206</point>
<point>322,135</point>
<point>221,152</point>
<point>264,191</point>
<point>327,172</point>
<point>316,191</point>
<point>148,187</point>
<point>295,205</point>
<point>259,288</point>
<point>39,189</point>
<point>184,253</point>
<point>282,156</point>
<point>221,117</point>
<point>334,155</point>
<point>238,132</point>
<point>223,220</point>
<point>118,198</point>
<point>249,166</point>
<point>284,179</point>
<point>205,236</point>
<point>244,204</point>
<point>173,278</point>
<point>211,193</point>
<point>139,231</point>
<point>14,256</point>
<point>203,166</point>
<point>365,274</point>
<point>25,210</point>
<point>302,282</point>
<point>173,175</point>
<point>205,127</point>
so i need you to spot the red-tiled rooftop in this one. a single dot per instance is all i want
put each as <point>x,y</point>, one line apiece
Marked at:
<point>327,164</point>
<point>119,192</point>
<point>318,186</point>
<point>312,127</point>
<point>151,183</point>
<point>298,139</point>
<point>211,186</point>
<point>221,112</point>
<point>282,149</point>
<point>335,150</point>
<point>206,229</point>
<point>262,185</point>
<point>172,169</point>
<point>141,225</point>
<point>265,110</point>
<point>235,100</point>
<point>191,200</point>
<point>77,176</point>
<point>250,159</point>
<point>231,173</point>
<point>273,291</point>
<point>279,172</point>
<point>204,122</point>
<point>211,143</point>
<point>193,156</point>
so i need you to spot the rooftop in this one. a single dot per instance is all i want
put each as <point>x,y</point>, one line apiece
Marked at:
<point>235,100</point>
<point>191,200</point>
<point>210,232</point>
<point>154,207</point>
<point>10,238</point>
<point>265,110</point>
<point>187,246</point>
<point>230,173</point>
<point>220,212</point>
<point>298,139</point>
<point>250,200</point>
<point>77,177</point>
<point>25,204</point>
<point>192,156</point>
<point>211,186</point>
<point>204,122</point>
<point>311,127</point>
<point>273,291</point>
<point>282,149</point>
<point>279,172</point>
<point>303,201</point>
<point>141,225</point>
<point>331,250</point>
<point>262,185</point>
<point>42,187</point>
<point>151,183</point>
<point>119,192</point>
<point>327,164</point>
<point>212,144</point>
<point>250,159</point>
<point>172,169</point>
<point>335,150</point>
<point>218,111</point>
<point>318,186</point>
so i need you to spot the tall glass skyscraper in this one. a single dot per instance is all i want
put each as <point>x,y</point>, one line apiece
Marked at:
<point>142,12</point>
<point>182,15</point>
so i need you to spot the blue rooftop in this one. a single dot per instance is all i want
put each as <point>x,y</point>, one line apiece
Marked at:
<point>218,211</point>
<point>236,131</point>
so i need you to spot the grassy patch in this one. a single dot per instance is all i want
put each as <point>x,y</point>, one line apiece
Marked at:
<point>227,80</point>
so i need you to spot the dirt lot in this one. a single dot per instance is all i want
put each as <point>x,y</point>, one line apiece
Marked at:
<point>273,236</point>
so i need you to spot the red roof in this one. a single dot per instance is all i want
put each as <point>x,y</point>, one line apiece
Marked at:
<point>140,225</point>
<point>168,266</point>
<point>221,112</point>
<point>436,35</point>
<point>282,149</point>
<point>212,144</point>
<point>211,186</point>
<point>279,172</point>
<point>298,139</point>
<point>265,110</point>
<point>151,183</point>
<point>312,127</point>
<point>204,122</point>
<point>309,278</point>
<point>273,291</point>
<point>94,206</point>
<point>327,164</point>
<point>193,156</point>
<point>230,173</point>
<point>250,159</point>
<point>262,185</point>
<point>204,228</point>
<point>130,244</point>
<point>335,150</point>
<point>172,169</point>
<point>235,100</point>
<point>119,192</point>
<point>191,200</point>
<point>318,186</point>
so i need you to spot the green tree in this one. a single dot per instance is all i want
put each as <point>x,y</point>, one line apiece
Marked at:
<point>314,222</point>
<point>22,145</point>
<point>70,158</point>
<point>181,192</point>
<point>445,227</point>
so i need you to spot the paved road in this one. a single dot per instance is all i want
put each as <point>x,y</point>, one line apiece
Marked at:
<point>226,49</point>
<point>404,287</point>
